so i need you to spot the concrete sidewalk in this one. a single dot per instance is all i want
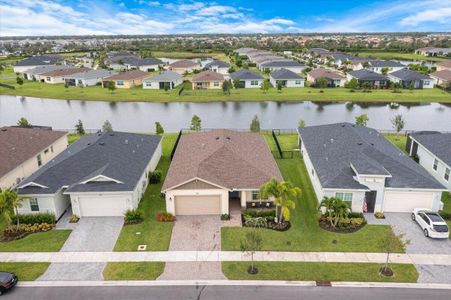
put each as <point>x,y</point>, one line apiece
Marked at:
<point>217,256</point>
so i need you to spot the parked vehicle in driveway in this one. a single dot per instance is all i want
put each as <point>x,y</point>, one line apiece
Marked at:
<point>7,281</point>
<point>431,223</point>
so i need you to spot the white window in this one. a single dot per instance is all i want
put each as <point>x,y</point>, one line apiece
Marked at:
<point>34,205</point>
<point>254,82</point>
<point>346,197</point>
<point>119,82</point>
<point>446,176</point>
<point>48,79</point>
<point>216,83</point>
<point>297,82</point>
<point>255,195</point>
<point>39,159</point>
<point>148,83</point>
<point>435,165</point>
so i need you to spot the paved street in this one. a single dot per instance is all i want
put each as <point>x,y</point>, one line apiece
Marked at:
<point>224,292</point>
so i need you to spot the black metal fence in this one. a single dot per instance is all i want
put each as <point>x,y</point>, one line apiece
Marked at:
<point>176,143</point>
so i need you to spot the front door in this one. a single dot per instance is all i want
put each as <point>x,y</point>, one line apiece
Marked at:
<point>370,199</point>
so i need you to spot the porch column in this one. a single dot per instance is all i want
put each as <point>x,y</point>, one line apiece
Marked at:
<point>243,199</point>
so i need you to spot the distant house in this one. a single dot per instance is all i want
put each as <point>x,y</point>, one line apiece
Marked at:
<point>218,66</point>
<point>89,78</point>
<point>36,72</point>
<point>442,78</point>
<point>25,150</point>
<point>143,64</point>
<point>334,79</point>
<point>58,76</point>
<point>340,59</point>
<point>290,65</point>
<point>264,59</point>
<point>248,79</point>
<point>207,80</point>
<point>244,51</point>
<point>126,80</point>
<point>184,66</point>
<point>37,61</point>
<point>375,79</point>
<point>433,51</point>
<point>166,79</point>
<point>408,78</point>
<point>317,52</point>
<point>286,78</point>
<point>444,65</point>
<point>379,65</point>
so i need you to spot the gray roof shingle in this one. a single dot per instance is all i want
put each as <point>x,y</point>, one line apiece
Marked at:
<point>438,143</point>
<point>219,63</point>
<point>284,74</point>
<point>244,74</point>
<point>165,76</point>
<point>39,61</point>
<point>365,74</point>
<point>408,75</point>
<point>386,64</point>
<point>283,63</point>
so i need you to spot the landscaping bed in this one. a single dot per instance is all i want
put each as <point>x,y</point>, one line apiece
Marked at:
<point>353,223</point>
<point>263,219</point>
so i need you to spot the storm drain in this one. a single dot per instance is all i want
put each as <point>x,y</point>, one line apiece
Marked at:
<point>323,283</point>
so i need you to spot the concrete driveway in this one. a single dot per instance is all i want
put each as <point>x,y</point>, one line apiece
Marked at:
<point>89,234</point>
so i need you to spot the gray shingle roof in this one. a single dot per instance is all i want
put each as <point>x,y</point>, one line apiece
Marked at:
<point>333,148</point>
<point>45,69</point>
<point>137,62</point>
<point>219,63</point>
<point>365,74</point>
<point>165,76</point>
<point>408,75</point>
<point>284,74</point>
<point>386,64</point>
<point>438,143</point>
<point>244,74</point>
<point>283,63</point>
<point>118,155</point>
<point>90,74</point>
<point>39,61</point>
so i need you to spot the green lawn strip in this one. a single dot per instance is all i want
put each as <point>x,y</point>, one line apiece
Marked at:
<point>133,270</point>
<point>399,140</point>
<point>305,233</point>
<point>156,235</point>
<point>397,56</point>
<point>25,271</point>
<point>97,93</point>
<point>50,241</point>
<point>446,199</point>
<point>318,271</point>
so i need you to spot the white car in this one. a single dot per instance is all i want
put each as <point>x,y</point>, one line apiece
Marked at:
<point>431,223</point>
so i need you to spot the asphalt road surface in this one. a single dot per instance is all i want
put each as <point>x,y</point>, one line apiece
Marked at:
<point>223,292</point>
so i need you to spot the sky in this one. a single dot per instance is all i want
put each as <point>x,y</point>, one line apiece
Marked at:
<point>84,17</point>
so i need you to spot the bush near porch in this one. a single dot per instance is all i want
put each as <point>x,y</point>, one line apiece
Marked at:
<point>305,233</point>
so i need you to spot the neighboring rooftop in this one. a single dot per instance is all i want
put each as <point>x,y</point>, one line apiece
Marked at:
<point>218,63</point>
<point>66,72</point>
<point>365,74</point>
<point>386,64</point>
<point>138,62</point>
<point>443,74</point>
<point>245,74</point>
<point>92,74</point>
<point>39,61</point>
<point>445,64</point>
<point>165,76</point>
<point>325,73</point>
<point>184,63</point>
<point>119,158</point>
<point>208,76</point>
<point>129,75</point>
<point>17,145</point>
<point>284,74</point>
<point>230,159</point>
<point>408,75</point>
<point>437,143</point>
<point>44,69</point>
<point>334,148</point>
<point>283,63</point>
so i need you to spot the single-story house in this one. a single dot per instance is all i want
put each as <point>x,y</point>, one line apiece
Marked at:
<point>36,72</point>
<point>115,59</point>
<point>317,52</point>
<point>58,76</point>
<point>37,61</point>
<point>443,65</point>
<point>286,78</point>
<point>244,50</point>
<point>333,78</point>
<point>214,170</point>
<point>166,79</point>
<point>25,150</point>
<point>442,78</point>
<point>184,66</point>
<point>360,166</point>
<point>207,80</point>
<point>408,77</point>
<point>126,80</point>
<point>433,51</point>
<point>290,65</point>
<point>143,64</point>
<point>248,79</point>
<point>375,79</point>
<point>100,175</point>
<point>432,150</point>
<point>340,59</point>
<point>390,65</point>
<point>89,78</point>
<point>265,59</point>
<point>218,66</point>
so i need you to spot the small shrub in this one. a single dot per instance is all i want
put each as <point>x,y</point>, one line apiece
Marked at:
<point>163,216</point>
<point>34,218</point>
<point>357,222</point>
<point>225,217</point>
<point>355,215</point>
<point>446,216</point>
<point>155,176</point>
<point>379,215</point>
<point>133,216</point>
<point>255,222</point>
<point>12,231</point>
<point>73,219</point>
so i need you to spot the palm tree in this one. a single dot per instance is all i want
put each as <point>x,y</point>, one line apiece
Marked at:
<point>9,202</point>
<point>328,204</point>
<point>336,209</point>
<point>285,195</point>
<point>5,206</point>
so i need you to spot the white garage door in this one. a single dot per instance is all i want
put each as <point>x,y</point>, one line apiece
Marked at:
<point>198,205</point>
<point>102,206</point>
<point>407,201</point>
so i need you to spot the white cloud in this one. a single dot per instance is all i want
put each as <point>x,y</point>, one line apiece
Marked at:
<point>441,15</point>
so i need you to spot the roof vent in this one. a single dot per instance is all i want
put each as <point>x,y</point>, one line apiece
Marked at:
<point>4,129</point>
<point>111,134</point>
<point>217,138</point>
<point>101,143</point>
<point>89,144</point>
<point>331,140</point>
<point>228,138</point>
<point>126,142</point>
<point>372,144</point>
<point>343,125</point>
<point>360,143</point>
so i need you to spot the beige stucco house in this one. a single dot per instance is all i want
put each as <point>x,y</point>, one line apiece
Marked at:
<point>214,170</point>
<point>208,80</point>
<point>58,76</point>
<point>126,80</point>
<point>25,150</point>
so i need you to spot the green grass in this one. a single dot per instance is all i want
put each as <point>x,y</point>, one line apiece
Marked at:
<point>50,241</point>
<point>397,140</point>
<point>25,271</point>
<point>305,233</point>
<point>446,199</point>
<point>133,270</point>
<point>156,235</point>
<point>189,55</point>
<point>318,271</point>
<point>58,91</point>
<point>397,55</point>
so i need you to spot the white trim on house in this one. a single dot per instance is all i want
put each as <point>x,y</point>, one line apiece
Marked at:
<point>33,184</point>
<point>101,178</point>
<point>192,179</point>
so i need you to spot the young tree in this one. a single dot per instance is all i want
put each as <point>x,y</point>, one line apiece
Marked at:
<point>239,62</point>
<point>362,120</point>
<point>384,71</point>
<point>158,128</point>
<point>285,196</point>
<point>237,83</point>
<point>231,70</point>
<point>19,81</point>
<point>255,124</point>
<point>79,129</point>
<point>301,123</point>
<point>111,86</point>
<point>391,243</point>
<point>398,123</point>
<point>9,202</point>
<point>367,86</point>
<point>322,82</point>
<point>107,126</point>
<point>196,123</point>
<point>265,86</point>
<point>23,122</point>
<point>279,87</point>
<point>226,87</point>
<point>352,84</point>
<point>252,243</point>
<point>335,208</point>
<point>411,85</point>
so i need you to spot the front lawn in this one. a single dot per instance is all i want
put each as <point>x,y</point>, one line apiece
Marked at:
<point>50,241</point>
<point>133,270</point>
<point>156,235</point>
<point>318,271</point>
<point>305,233</point>
<point>25,271</point>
